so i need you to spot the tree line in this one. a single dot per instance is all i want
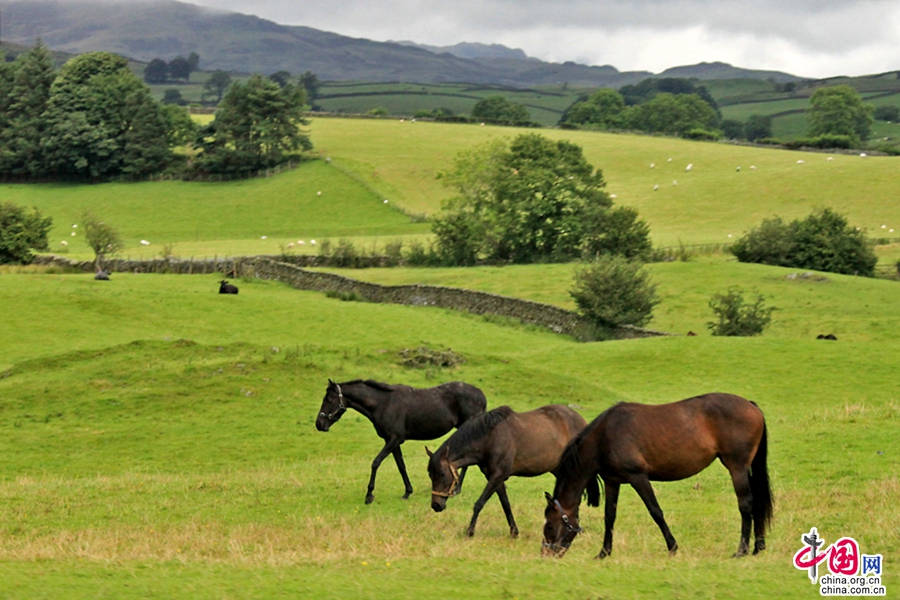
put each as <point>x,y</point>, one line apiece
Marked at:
<point>94,120</point>
<point>837,116</point>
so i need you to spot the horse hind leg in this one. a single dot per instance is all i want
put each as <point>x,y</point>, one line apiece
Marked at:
<point>641,484</point>
<point>741,480</point>
<point>401,466</point>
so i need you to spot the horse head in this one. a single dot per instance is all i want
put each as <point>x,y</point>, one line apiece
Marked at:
<point>333,407</point>
<point>444,478</point>
<point>560,528</point>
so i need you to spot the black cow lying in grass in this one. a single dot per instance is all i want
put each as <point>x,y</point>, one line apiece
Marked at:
<point>227,288</point>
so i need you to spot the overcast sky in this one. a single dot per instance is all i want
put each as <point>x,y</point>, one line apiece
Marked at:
<point>813,38</point>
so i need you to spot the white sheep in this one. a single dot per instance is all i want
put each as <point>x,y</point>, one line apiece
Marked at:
<point>830,158</point>
<point>318,193</point>
<point>801,161</point>
<point>655,187</point>
<point>752,167</point>
<point>652,165</point>
<point>674,183</point>
<point>312,242</point>
<point>64,243</point>
<point>301,243</point>
<point>689,167</point>
<point>145,243</point>
<point>739,168</point>
<point>262,237</point>
<point>613,196</point>
<point>290,245</point>
<point>73,234</point>
<point>862,155</point>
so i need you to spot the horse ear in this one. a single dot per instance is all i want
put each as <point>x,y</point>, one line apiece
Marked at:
<point>549,498</point>
<point>428,452</point>
<point>330,382</point>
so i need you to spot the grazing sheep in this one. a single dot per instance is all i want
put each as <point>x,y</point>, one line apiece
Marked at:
<point>301,243</point>
<point>290,245</point>
<point>101,275</point>
<point>652,165</point>
<point>64,243</point>
<point>145,243</point>
<point>227,288</point>
<point>689,167</point>
<point>752,167</point>
<point>739,168</point>
<point>312,242</point>
<point>830,158</point>
<point>801,161</point>
<point>863,155</point>
<point>655,187</point>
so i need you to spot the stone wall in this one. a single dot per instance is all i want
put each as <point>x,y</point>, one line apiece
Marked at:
<point>554,318</point>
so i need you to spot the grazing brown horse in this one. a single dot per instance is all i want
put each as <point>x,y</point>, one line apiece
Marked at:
<point>502,443</point>
<point>400,413</point>
<point>636,444</point>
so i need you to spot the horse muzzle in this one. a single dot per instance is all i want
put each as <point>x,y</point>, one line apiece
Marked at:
<point>438,504</point>
<point>322,423</point>
<point>553,550</point>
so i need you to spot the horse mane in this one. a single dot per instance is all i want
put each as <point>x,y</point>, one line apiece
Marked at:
<point>571,467</point>
<point>477,427</point>
<point>384,387</point>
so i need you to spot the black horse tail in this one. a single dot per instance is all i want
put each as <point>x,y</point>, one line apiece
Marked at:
<point>763,502</point>
<point>592,491</point>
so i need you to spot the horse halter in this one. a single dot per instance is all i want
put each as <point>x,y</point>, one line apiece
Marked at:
<point>341,406</point>
<point>453,491</point>
<point>569,528</point>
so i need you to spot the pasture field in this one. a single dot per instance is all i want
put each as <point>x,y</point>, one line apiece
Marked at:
<point>704,205</point>
<point>159,441</point>
<point>377,160</point>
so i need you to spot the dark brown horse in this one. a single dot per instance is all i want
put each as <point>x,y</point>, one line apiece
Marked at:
<point>502,443</point>
<point>400,413</point>
<point>636,444</point>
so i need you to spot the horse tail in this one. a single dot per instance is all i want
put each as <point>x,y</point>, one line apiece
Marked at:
<point>763,502</point>
<point>592,491</point>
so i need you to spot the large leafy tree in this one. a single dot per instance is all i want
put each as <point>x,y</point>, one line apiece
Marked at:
<point>531,199</point>
<point>499,109</point>
<point>102,122</point>
<point>156,71</point>
<point>602,108</point>
<point>23,126</point>
<point>257,126</point>
<point>839,110</point>
<point>216,85</point>
<point>673,114</point>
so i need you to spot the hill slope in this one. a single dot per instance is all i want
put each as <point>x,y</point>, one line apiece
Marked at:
<point>237,42</point>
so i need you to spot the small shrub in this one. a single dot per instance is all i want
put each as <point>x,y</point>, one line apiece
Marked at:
<point>424,357</point>
<point>393,251</point>
<point>20,233</point>
<point>735,317</point>
<point>614,291</point>
<point>345,296</point>
<point>344,254</point>
<point>420,256</point>
<point>702,134</point>
<point>325,247</point>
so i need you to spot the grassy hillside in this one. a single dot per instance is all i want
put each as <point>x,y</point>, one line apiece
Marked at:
<point>707,204</point>
<point>165,467</point>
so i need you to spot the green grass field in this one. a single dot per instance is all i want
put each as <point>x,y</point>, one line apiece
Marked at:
<point>159,438</point>
<point>140,465</point>
<point>377,160</point>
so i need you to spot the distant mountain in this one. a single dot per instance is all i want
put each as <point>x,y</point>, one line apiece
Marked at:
<point>720,70</point>
<point>145,29</point>
<point>473,50</point>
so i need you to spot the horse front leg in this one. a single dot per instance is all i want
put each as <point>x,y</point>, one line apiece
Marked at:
<point>489,489</point>
<point>507,510</point>
<point>389,447</point>
<point>609,517</point>
<point>401,466</point>
<point>641,484</point>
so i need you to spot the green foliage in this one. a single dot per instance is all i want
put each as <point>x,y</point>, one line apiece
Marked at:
<point>102,237</point>
<point>614,291</point>
<point>378,111</point>
<point>180,68</point>
<point>758,126</point>
<point>732,129</point>
<point>823,241</point>
<point>24,94</point>
<point>156,71</point>
<point>497,109</point>
<point>257,126</point>
<point>672,114</point>
<point>603,109</point>
<point>216,86</point>
<point>531,199</point>
<point>736,317</point>
<point>102,122</point>
<point>20,233</point>
<point>282,78</point>
<point>173,96</point>
<point>839,110</point>
<point>887,113</point>
<point>311,84</point>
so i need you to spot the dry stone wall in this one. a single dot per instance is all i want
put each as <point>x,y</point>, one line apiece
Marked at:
<point>556,319</point>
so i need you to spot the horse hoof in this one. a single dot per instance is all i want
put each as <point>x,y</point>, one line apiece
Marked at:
<point>513,533</point>
<point>673,550</point>
<point>470,532</point>
<point>370,499</point>
<point>406,496</point>
<point>739,554</point>
<point>603,554</point>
